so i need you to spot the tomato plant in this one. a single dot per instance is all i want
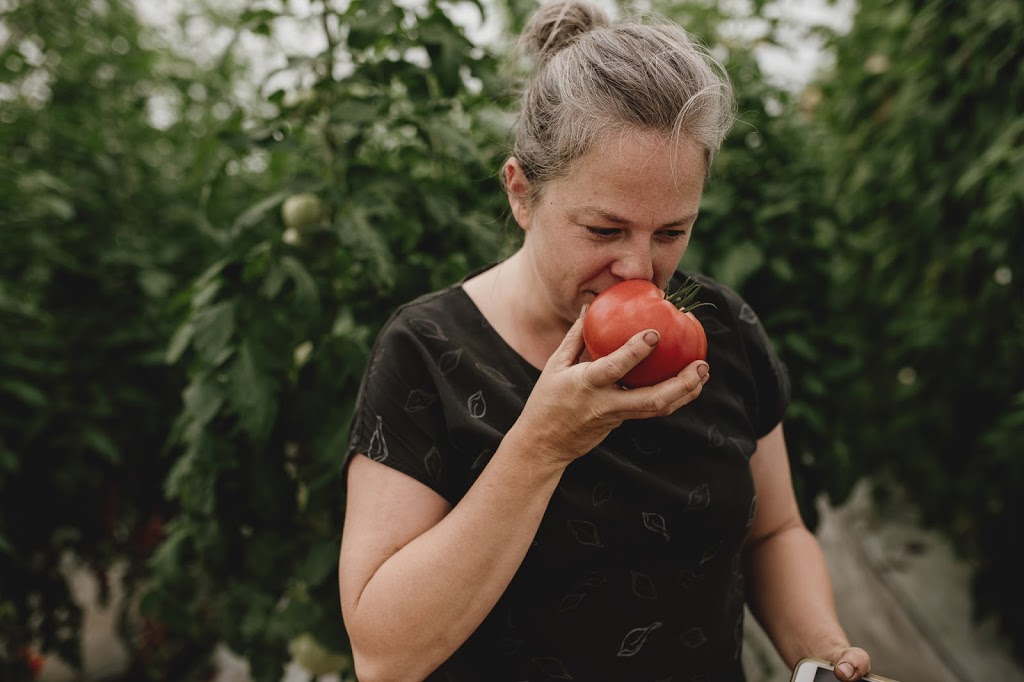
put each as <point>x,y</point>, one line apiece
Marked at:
<point>633,305</point>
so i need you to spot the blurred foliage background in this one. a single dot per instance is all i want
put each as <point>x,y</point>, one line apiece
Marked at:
<point>194,264</point>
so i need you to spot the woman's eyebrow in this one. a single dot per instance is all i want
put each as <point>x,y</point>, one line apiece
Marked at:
<point>615,219</point>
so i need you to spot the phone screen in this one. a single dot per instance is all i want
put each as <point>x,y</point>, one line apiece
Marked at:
<point>826,675</point>
<point>814,670</point>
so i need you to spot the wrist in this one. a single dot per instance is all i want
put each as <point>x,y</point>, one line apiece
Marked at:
<point>533,454</point>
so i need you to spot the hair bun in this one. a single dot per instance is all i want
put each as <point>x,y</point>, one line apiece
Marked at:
<point>556,24</point>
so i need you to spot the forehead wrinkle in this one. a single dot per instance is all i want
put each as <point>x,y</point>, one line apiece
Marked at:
<point>612,217</point>
<point>653,142</point>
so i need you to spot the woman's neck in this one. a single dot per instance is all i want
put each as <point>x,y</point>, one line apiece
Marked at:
<point>510,298</point>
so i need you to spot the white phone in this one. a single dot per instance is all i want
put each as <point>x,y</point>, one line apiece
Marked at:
<point>817,670</point>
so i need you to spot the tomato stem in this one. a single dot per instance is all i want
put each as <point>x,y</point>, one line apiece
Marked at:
<point>683,297</point>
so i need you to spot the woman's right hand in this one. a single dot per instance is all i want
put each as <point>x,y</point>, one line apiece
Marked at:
<point>576,404</point>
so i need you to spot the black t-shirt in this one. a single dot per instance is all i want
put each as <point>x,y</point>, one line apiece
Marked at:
<point>635,572</point>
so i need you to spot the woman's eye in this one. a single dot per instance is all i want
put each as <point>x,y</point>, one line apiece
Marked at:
<point>603,231</point>
<point>672,235</point>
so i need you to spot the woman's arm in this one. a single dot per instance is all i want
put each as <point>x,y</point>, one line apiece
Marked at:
<point>418,576</point>
<point>790,591</point>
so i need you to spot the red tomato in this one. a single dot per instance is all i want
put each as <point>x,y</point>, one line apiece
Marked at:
<point>631,306</point>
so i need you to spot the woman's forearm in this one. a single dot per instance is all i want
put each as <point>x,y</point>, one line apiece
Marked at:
<point>790,594</point>
<point>428,597</point>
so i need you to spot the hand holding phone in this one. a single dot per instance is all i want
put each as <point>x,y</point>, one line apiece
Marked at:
<point>817,670</point>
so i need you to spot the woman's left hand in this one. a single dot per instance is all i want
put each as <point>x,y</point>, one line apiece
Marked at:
<point>850,663</point>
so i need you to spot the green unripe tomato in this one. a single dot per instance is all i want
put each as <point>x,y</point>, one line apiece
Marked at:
<point>303,212</point>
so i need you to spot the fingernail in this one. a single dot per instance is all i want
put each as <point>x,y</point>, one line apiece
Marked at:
<point>583,310</point>
<point>846,669</point>
<point>651,337</point>
<point>702,370</point>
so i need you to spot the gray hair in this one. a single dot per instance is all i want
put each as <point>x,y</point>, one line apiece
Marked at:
<point>593,78</point>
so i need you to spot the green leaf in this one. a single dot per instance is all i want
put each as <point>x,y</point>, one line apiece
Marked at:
<point>256,213</point>
<point>321,562</point>
<point>253,394</point>
<point>358,234</point>
<point>203,398</point>
<point>25,392</point>
<point>100,442</point>
<point>179,343</point>
<point>366,28</point>
<point>739,263</point>
<point>214,327</point>
<point>257,615</point>
<point>167,561</point>
<point>307,294</point>
<point>294,618</point>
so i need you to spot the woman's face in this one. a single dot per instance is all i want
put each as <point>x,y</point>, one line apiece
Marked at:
<point>625,211</point>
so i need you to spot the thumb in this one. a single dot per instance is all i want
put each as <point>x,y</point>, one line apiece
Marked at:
<point>569,350</point>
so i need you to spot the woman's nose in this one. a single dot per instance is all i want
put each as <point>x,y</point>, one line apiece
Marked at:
<point>634,263</point>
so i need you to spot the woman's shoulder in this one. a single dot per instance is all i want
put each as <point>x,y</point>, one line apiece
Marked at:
<point>728,312</point>
<point>440,315</point>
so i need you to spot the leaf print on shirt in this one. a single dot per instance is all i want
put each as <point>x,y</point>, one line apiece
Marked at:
<point>624,461</point>
<point>646,447</point>
<point>419,400</point>
<point>428,328</point>
<point>744,446</point>
<point>747,314</point>
<point>715,437</point>
<point>585,532</point>
<point>571,601</point>
<point>592,579</point>
<point>378,448</point>
<point>432,462</point>
<point>711,552</point>
<point>449,361</point>
<point>494,374</point>
<point>694,637</point>
<point>506,646</point>
<point>700,498</point>
<point>753,511</point>
<point>635,639</point>
<point>553,668</point>
<point>602,492</point>
<point>476,405</point>
<point>689,578</point>
<point>656,523</point>
<point>643,586</point>
<point>481,460</point>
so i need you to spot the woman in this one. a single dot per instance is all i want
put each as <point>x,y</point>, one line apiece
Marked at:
<point>513,513</point>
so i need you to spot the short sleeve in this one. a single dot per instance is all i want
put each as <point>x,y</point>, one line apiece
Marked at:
<point>399,419</point>
<point>771,377</point>
<point>768,395</point>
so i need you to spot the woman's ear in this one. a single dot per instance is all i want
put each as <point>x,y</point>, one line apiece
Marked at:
<point>518,189</point>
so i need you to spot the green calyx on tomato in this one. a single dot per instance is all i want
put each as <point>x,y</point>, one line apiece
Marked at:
<point>633,305</point>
